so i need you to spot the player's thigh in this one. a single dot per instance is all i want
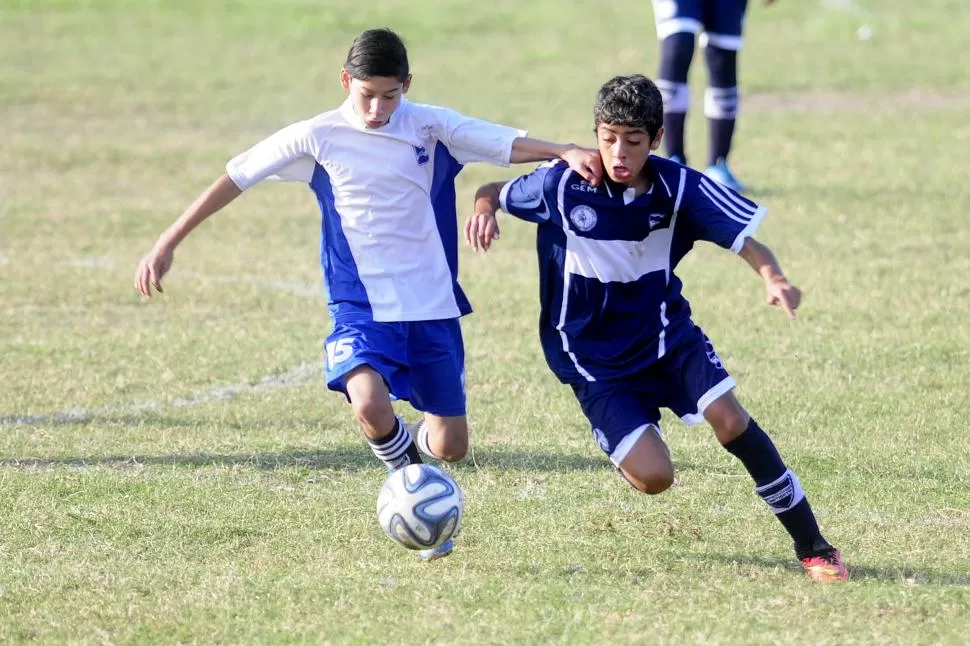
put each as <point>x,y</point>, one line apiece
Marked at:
<point>677,16</point>
<point>436,369</point>
<point>723,22</point>
<point>379,346</point>
<point>697,377</point>
<point>624,421</point>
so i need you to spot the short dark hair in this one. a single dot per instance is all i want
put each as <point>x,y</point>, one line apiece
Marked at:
<point>633,101</point>
<point>377,52</point>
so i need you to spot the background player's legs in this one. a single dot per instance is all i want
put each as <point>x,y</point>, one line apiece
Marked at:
<point>721,101</point>
<point>777,485</point>
<point>647,465</point>
<point>676,53</point>
<point>385,434</point>
<point>723,25</point>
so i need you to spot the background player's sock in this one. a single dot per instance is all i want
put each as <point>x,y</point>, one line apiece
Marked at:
<point>778,487</point>
<point>676,52</point>
<point>721,101</point>
<point>396,449</point>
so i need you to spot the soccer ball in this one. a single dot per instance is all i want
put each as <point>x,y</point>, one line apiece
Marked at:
<point>420,507</point>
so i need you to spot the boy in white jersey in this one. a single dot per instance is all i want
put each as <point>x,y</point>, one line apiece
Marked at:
<point>382,170</point>
<point>614,324</point>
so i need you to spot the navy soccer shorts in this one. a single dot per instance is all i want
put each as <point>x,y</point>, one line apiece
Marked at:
<point>722,21</point>
<point>422,362</point>
<point>686,381</point>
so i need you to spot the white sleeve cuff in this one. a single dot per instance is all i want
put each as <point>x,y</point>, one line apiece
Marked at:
<point>750,229</point>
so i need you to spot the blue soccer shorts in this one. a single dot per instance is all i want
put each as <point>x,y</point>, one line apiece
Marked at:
<point>686,381</point>
<point>722,21</point>
<point>422,362</point>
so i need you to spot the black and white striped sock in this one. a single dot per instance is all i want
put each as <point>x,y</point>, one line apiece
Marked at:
<point>420,433</point>
<point>396,449</point>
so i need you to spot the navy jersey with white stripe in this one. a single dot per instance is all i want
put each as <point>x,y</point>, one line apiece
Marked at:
<point>611,304</point>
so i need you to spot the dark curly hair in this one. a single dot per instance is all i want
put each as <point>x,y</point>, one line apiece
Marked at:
<point>633,101</point>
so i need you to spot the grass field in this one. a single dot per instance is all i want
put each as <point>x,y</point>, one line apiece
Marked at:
<point>176,472</point>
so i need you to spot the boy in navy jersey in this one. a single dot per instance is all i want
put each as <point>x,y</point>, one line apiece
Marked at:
<point>614,324</point>
<point>382,170</point>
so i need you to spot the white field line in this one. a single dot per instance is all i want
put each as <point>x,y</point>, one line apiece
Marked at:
<point>271,285</point>
<point>297,376</point>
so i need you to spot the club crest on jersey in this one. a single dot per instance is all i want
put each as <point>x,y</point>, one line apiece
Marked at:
<point>422,154</point>
<point>583,217</point>
<point>654,219</point>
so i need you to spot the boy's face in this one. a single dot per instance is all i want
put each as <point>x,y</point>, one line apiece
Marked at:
<point>375,99</point>
<point>625,150</point>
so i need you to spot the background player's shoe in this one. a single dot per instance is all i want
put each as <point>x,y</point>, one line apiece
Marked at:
<point>441,551</point>
<point>825,566</point>
<point>721,174</point>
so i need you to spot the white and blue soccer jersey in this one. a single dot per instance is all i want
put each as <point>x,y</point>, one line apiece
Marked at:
<point>389,240</point>
<point>611,305</point>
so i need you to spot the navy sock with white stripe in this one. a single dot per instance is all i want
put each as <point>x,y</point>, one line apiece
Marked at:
<point>396,449</point>
<point>779,487</point>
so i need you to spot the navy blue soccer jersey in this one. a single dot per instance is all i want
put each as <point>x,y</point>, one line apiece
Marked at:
<point>610,303</point>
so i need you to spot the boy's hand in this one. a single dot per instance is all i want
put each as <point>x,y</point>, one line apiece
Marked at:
<point>586,162</point>
<point>783,294</point>
<point>480,230</point>
<point>152,268</point>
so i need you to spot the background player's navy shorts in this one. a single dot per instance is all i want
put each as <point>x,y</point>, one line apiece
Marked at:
<point>686,381</point>
<point>422,362</point>
<point>721,20</point>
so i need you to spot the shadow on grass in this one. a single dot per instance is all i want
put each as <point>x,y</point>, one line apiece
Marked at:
<point>900,574</point>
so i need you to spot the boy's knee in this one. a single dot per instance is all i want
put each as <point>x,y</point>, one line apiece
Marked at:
<point>453,449</point>
<point>727,417</point>
<point>653,482</point>
<point>373,413</point>
<point>448,438</point>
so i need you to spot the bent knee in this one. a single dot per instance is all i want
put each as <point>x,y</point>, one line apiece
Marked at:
<point>652,483</point>
<point>449,442</point>
<point>373,412</point>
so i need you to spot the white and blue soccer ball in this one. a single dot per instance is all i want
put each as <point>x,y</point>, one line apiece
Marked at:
<point>420,507</point>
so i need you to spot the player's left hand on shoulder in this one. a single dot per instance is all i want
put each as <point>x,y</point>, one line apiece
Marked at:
<point>783,294</point>
<point>480,230</point>
<point>586,162</point>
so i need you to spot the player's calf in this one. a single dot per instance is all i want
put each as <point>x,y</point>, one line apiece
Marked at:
<point>444,438</point>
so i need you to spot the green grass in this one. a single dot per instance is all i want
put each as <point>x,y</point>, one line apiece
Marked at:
<point>170,511</point>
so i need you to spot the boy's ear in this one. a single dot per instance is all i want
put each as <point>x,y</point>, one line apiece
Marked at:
<point>345,79</point>
<point>655,144</point>
<point>406,85</point>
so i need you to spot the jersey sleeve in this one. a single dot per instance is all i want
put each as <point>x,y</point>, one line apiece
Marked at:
<point>474,140</point>
<point>718,214</point>
<point>286,155</point>
<point>525,196</point>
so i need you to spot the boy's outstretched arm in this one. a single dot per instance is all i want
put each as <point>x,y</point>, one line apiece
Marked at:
<point>584,161</point>
<point>482,227</point>
<point>158,261</point>
<point>780,292</point>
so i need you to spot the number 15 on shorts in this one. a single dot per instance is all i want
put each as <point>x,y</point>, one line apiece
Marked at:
<point>339,351</point>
